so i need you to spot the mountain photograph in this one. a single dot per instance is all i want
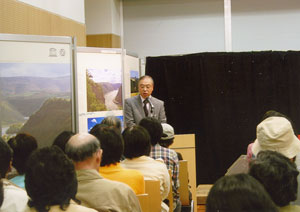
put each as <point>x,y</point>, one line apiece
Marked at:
<point>26,90</point>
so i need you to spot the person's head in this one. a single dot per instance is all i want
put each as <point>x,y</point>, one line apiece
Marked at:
<point>111,143</point>
<point>112,121</point>
<point>278,174</point>
<point>136,142</point>
<point>239,192</point>
<point>5,158</point>
<point>50,179</point>
<point>62,139</point>
<point>276,134</point>
<point>84,149</point>
<point>22,145</point>
<point>154,128</point>
<point>167,137</point>
<point>146,85</point>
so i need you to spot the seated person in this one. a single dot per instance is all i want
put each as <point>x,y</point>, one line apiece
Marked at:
<point>167,138</point>
<point>62,139</point>
<point>112,145</point>
<point>22,145</point>
<point>113,121</point>
<point>15,198</point>
<point>278,174</point>
<point>136,151</point>
<point>268,114</point>
<point>239,192</point>
<point>94,191</point>
<point>169,156</point>
<point>51,183</point>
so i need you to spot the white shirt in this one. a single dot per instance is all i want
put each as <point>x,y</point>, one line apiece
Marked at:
<point>15,198</point>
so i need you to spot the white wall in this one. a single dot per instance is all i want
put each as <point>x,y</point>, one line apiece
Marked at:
<point>265,25</point>
<point>167,27</point>
<point>72,9</point>
<point>102,16</point>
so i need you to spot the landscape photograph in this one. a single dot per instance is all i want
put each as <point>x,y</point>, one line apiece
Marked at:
<point>35,98</point>
<point>104,90</point>
<point>134,80</point>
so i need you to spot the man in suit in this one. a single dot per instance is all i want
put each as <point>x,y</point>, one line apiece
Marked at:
<point>144,105</point>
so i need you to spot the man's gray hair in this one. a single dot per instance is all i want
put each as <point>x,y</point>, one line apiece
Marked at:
<point>81,147</point>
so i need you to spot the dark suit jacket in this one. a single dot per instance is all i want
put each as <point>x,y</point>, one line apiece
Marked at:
<point>134,112</point>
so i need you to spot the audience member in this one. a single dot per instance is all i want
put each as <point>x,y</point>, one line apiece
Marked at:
<point>51,183</point>
<point>167,138</point>
<point>94,191</point>
<point>136,151</point>
<point>15,198</point>
<point>113,121</point>
<point>62,139</point>
<point>155,130</point>
<point>268,114</point>
<point>22,145</point>
<point>278,174</point>
<point>239,192</point>
<point>112,145</point>
<point>276,133</point>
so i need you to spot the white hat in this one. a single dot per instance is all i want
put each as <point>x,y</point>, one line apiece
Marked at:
<point>276,134</point>
<point>168,131</point>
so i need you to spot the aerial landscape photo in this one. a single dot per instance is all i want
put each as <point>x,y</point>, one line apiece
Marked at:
<point>104,90</point>
<point>35,98</point>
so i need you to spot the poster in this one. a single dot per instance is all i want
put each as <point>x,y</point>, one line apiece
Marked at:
<point>99,85</point>
<point>36,87</point>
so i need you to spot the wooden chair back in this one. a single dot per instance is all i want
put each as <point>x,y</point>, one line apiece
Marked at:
<point>152,188</point>
<point>144,202</point>
<point>184,183</point>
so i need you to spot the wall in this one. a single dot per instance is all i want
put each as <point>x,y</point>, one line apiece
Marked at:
<point>20,18</point>
<point>103,23</point>
<point>72,9</point>
<point>265,25</point>
<point>164,27</point>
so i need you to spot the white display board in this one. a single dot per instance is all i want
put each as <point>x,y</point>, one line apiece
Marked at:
<point>36,86</point>
<point>99,85</point>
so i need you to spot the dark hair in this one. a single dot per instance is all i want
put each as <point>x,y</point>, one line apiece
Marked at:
<point>111,141</point>
<point>154,128</point>
<point>144,77</point>
<point>277,174</point>
<point>50,179</point>
<point>112,121</point>
<point>1,193</point>
<point>166,143</point>
<point>5,157</point>
<point>62,139</point>
<point>22,145</point>
<point>83,151</point>
<point>239,192</point>
<point>136,142</point>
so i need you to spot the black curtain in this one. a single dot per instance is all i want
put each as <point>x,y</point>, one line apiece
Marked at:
<point>221,97</point>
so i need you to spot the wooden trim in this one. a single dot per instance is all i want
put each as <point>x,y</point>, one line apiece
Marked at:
<point>104,41</point>
<point>20,18</point>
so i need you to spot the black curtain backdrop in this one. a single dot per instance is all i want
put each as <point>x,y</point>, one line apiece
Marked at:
<point>221,97</point>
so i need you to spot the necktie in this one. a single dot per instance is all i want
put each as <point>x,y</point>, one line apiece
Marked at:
<point>146,101</point>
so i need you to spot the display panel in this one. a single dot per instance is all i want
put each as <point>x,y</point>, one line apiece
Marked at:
<point>36,86</point>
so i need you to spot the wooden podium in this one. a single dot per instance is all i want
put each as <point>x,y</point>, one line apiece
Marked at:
<point>185,144</point>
